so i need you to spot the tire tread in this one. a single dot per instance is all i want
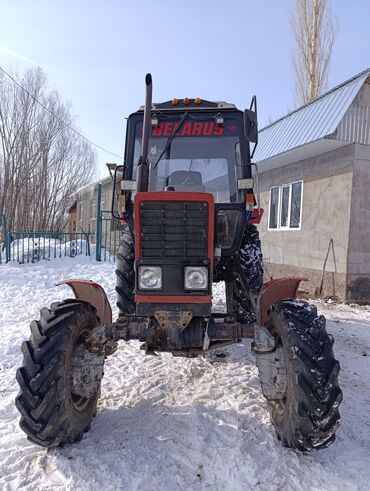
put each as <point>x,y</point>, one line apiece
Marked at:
<point>316,390</point>
<point>41,400</point>
<point>125,276</point>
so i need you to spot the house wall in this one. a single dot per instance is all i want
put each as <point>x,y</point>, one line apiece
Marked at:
<point>358,287</point>
<point>355,125</point>
<point>72,220</point>
<point>86,218</point>
<point>108,234</point>
<point>85,222</point>
<point>325,215</point>
<point>87,205</point>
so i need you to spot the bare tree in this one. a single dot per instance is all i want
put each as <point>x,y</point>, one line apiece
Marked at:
<point>43,162</point>
<point>314,30</point>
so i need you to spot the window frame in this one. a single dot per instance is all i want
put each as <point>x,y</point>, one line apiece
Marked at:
<point>93,208</point>
<point>279,227</point>
<point>278,209</point>
<point>280,206</point>
<point>81,212</point>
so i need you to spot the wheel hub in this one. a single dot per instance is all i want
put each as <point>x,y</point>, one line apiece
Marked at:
<point>87,372</point>
<point>271,365</point>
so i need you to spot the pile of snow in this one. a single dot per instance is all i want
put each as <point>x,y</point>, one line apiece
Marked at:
<point>31,250</point>
<point>35,249</point>
<point>168,423</point>
<point>73,248</point>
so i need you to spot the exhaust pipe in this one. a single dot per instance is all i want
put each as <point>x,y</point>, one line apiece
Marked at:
<point>142,173</point>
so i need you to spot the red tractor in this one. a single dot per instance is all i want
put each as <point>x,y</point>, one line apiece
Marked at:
<point>185,197</point>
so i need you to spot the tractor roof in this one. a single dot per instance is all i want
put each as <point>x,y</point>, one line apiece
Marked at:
<point>193,104</point>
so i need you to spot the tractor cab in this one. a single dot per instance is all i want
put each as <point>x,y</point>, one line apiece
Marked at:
<point>197,147</point>
<point>193,146</point>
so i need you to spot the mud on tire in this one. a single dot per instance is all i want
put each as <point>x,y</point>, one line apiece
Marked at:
<point>125,273</point>
<point>50,414</point>
<point>308,416</point>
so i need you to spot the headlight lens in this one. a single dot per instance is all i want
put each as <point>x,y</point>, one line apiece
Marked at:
<point>150,277</point>
<point>196,278</point>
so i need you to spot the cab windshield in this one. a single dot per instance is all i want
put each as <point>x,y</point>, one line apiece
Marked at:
<point>203,157</point>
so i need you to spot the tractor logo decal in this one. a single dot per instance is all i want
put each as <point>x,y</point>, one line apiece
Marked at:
<point>193,128</point>
<point>190,128</point>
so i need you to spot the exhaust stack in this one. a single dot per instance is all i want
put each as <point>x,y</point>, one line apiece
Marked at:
<point>142,177</point>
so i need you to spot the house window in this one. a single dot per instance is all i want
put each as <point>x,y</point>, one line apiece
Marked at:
<point>295,206</point>
<point>274,207</point>
<point>285,206</point>
<point>93,208</point>
<point>80,212</point>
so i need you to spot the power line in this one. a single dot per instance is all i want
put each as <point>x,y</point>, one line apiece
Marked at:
<point>57,117</point>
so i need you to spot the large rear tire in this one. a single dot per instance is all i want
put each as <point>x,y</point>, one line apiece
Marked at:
<point>250,258</point>
<point>307,417</point>
<point>125,273</point>
<point>51,414</point>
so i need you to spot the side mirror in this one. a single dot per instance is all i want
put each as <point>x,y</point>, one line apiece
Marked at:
<point>250,125</point>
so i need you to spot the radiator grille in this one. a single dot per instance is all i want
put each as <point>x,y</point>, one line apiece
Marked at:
<point>173,229</point>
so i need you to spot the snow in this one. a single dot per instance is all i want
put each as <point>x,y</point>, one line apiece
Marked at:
<point>31,250</point>
<point>167,423</point>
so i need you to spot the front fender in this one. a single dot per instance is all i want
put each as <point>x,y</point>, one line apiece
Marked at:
<point>94,294</point>
<point>274,291</point>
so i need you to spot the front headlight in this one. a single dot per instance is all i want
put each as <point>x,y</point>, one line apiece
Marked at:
<point>150,277</point>
<point>196,278</point>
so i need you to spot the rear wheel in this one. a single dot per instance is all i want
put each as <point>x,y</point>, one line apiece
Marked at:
<point>306,413</point>
<point>125,273</point>
<point>51,405</point>
<point>250,257</point>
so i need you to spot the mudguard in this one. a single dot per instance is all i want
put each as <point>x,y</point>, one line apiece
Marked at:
<point>91,292</point>
<point>274,291</point>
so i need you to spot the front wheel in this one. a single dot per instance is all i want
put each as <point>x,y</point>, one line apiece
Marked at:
<point>55,407</point>
<point>305,411</point>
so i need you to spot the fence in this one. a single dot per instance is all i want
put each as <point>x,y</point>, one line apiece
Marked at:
<point>31,247</point>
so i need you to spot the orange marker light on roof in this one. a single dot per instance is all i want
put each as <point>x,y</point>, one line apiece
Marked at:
<point>175,101</point>
<point>198,100</point>
<point>186,100</point>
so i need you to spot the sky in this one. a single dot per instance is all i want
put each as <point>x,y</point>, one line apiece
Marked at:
<point>96,54</point>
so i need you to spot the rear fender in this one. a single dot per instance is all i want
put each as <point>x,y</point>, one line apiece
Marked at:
<point>274,291</point>
<point>94,294</point>
<point>256,216</point>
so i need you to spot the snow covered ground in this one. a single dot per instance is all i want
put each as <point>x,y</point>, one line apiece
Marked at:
<point>168,423</point>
